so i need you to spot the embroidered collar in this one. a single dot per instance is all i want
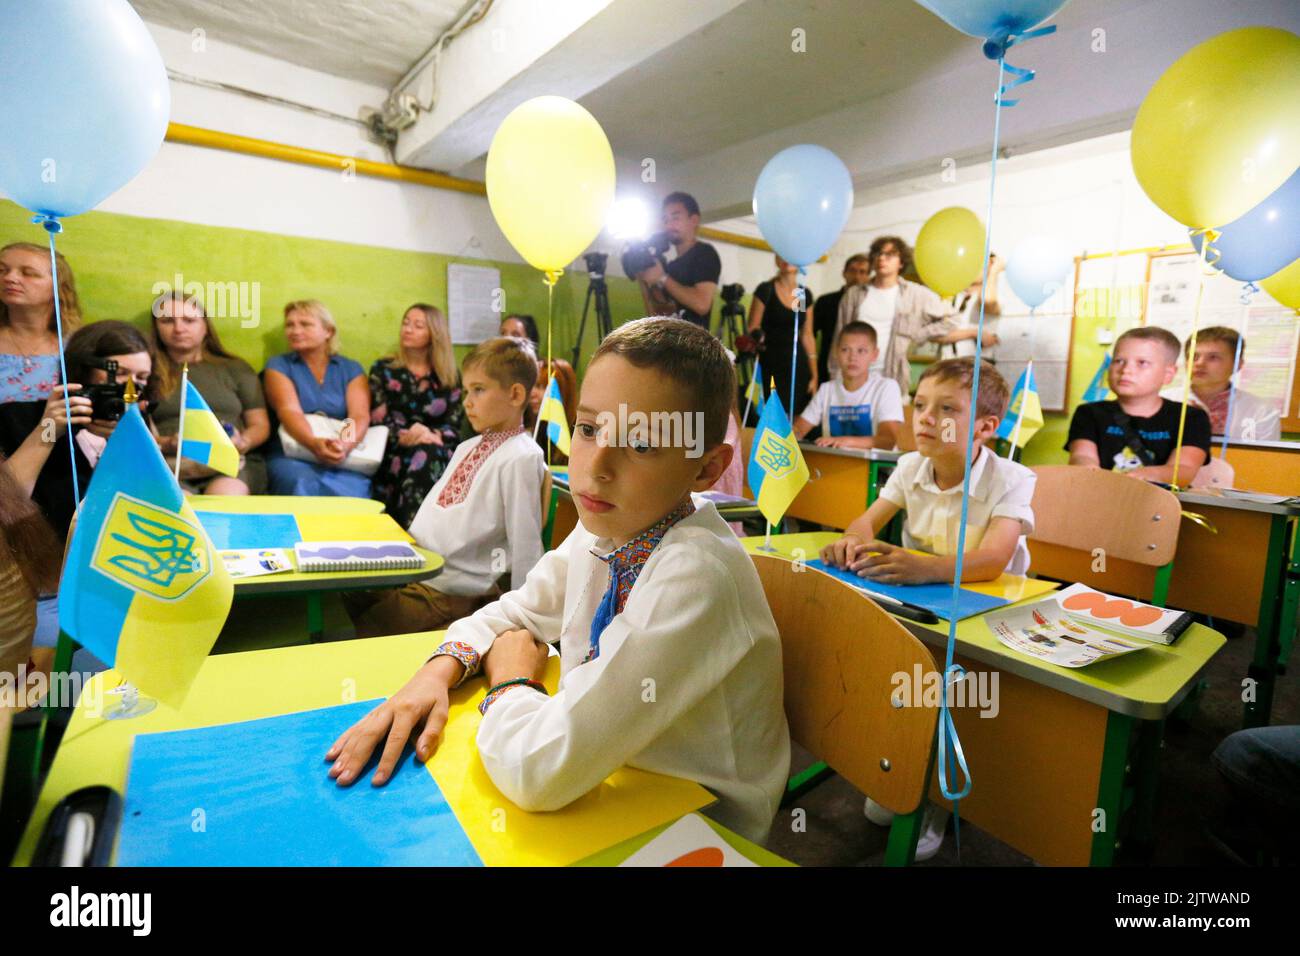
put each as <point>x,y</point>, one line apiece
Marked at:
<point>625,563</point>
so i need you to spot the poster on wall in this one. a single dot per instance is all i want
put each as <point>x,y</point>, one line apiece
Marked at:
<point>473,297</point>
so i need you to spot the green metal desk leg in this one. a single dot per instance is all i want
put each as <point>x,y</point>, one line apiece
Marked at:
<point>549,530</point>
<point>1146,776</point>
<point>873,483</point>
<point>1160,593</point>
<point>1290,599</point>
<point>804,781</point>
<point>315,617</point>
<point>1268,639</point>
<point>905,831</point>
<point>1110,789</point>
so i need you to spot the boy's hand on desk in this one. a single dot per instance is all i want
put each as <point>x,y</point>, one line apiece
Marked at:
<point>423,699</point>
<point>890,564</point>
<point>515,654</point>
<point>841,552</point>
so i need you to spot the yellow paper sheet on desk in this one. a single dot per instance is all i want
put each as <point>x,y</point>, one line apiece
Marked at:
<point>350,527</point>
<point>1012,587</point>
<point>628,803</point>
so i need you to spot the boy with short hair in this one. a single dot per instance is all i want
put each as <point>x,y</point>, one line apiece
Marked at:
<point>927,484</point>
<point>855,409</point>
<point>649,588</point>
<point>1253,418</point>
<point>1138,432</point>
<point>483,516</point>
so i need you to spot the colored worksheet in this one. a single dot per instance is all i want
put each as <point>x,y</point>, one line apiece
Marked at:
<point>236,532</point>
<point>257,793</point>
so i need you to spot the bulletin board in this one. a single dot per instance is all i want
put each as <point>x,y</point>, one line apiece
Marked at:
<point>1271,330</point>
<point>1045,335</point>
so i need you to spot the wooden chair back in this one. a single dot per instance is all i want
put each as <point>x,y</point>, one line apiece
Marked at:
<point>854,683</point>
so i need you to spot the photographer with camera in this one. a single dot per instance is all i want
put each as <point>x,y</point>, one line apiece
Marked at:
<point>685,286</point>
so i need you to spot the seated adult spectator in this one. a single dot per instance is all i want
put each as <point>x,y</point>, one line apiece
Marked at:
<point>184,335</point>
<point>313,379</point>
<point>415,392</point>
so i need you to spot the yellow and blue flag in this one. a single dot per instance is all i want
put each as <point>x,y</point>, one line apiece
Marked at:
<point>777,470</point>
<point>754,393</point>
<point>1024,415</point>
<point>203,438</point>
<point>552,412</point>
<point>142,588</point>
<point>1099,387</point>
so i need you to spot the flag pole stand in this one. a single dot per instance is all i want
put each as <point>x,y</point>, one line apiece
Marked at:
<point>767,541</point>
<point>131,705</point>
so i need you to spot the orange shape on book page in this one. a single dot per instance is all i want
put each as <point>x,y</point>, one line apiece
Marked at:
<point>1083,601</point>
<point>1112,608</point>
<point>1140,616</point>
<point>704,856</point>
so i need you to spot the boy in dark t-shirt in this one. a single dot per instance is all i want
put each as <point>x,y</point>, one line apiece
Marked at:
<point>1137,434</point>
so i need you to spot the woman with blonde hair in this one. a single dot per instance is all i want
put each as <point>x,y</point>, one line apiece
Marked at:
<point>416,393</point>
<point>312,378</point>
<point>30,555</point>
<point>184,335</point>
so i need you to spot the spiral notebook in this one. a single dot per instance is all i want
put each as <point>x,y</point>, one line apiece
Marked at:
<point>356,556</point>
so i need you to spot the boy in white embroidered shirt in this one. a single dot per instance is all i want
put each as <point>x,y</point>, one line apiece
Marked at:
<point>648,589</point>
<point>927,485</point>
<point>855,409</point>
<point>484,514</point>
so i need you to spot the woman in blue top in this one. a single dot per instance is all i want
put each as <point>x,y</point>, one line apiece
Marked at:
<point>313,379</point>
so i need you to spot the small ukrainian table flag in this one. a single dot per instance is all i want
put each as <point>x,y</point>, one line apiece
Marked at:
<point>552,412</point>
<point>142,589</point>
<point>777,471</point>
<point>203,437</point>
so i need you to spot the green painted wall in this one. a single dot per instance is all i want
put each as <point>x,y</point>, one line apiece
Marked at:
<point>117,259</point>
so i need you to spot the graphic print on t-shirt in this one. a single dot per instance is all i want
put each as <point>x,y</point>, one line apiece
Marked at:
<point>850,420</point>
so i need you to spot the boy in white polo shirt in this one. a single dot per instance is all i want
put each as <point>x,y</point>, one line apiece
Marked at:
<point>927,485</point>
<point>855,409</point>
<point>484,515</point>
<point>650,588</point>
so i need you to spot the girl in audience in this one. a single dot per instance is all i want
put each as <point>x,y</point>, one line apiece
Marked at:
<point>416,393</point>
<point>772,310</point>
<point>183,334</point>
<point>313,379</point>
<point>564,374</point>
<point>521,327</point>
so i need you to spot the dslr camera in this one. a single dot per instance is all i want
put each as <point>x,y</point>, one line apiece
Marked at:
<point>107,400</point>
<point>640,254</point>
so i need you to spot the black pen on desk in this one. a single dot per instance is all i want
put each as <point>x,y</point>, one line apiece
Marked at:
<point>913,612</point>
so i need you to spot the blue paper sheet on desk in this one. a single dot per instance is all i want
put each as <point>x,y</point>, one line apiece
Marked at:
<point>230,531</point>
<point>257,793</point>
<point>932,597</point>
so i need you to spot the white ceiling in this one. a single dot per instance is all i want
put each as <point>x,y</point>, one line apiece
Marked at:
<point>373,41</point>
<point>739,77</point>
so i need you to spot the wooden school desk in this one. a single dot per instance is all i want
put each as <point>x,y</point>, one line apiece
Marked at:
<point>844,481</point>
<point>321,519</point>
<point>1270,466</point>
<point>1065,742</point>
<point>1245,567</point>
<point>290,679</point>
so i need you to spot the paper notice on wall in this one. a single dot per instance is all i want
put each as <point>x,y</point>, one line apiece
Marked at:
<point>473,302</point>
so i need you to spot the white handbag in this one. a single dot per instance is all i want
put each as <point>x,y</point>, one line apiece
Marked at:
<point>364,459</point>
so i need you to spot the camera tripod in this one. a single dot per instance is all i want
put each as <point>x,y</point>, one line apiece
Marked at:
<point>597,292</point>
<point>731,323</point>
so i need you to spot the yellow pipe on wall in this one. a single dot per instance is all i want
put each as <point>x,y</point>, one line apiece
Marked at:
<point>250,146</point>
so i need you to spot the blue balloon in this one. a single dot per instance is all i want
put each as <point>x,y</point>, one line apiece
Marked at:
<point>86,102</point>
<point>993,20</point>
<point>1037,269</point>
<point>802,200</point>
<point>1262,241</point>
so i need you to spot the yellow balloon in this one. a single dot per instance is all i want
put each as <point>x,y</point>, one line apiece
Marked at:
<point>1220,130</point>
<point>1284,285</point>
<point>950,250</point>
<point>550,180</point>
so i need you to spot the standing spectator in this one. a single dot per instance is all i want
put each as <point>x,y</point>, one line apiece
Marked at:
<point>685,287</point>
<point>772,309</point>
<point>857,270</point>
<point>313,379</point>
<point>416,393</point>
<point>961,340</point>
<point>901,312</point>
